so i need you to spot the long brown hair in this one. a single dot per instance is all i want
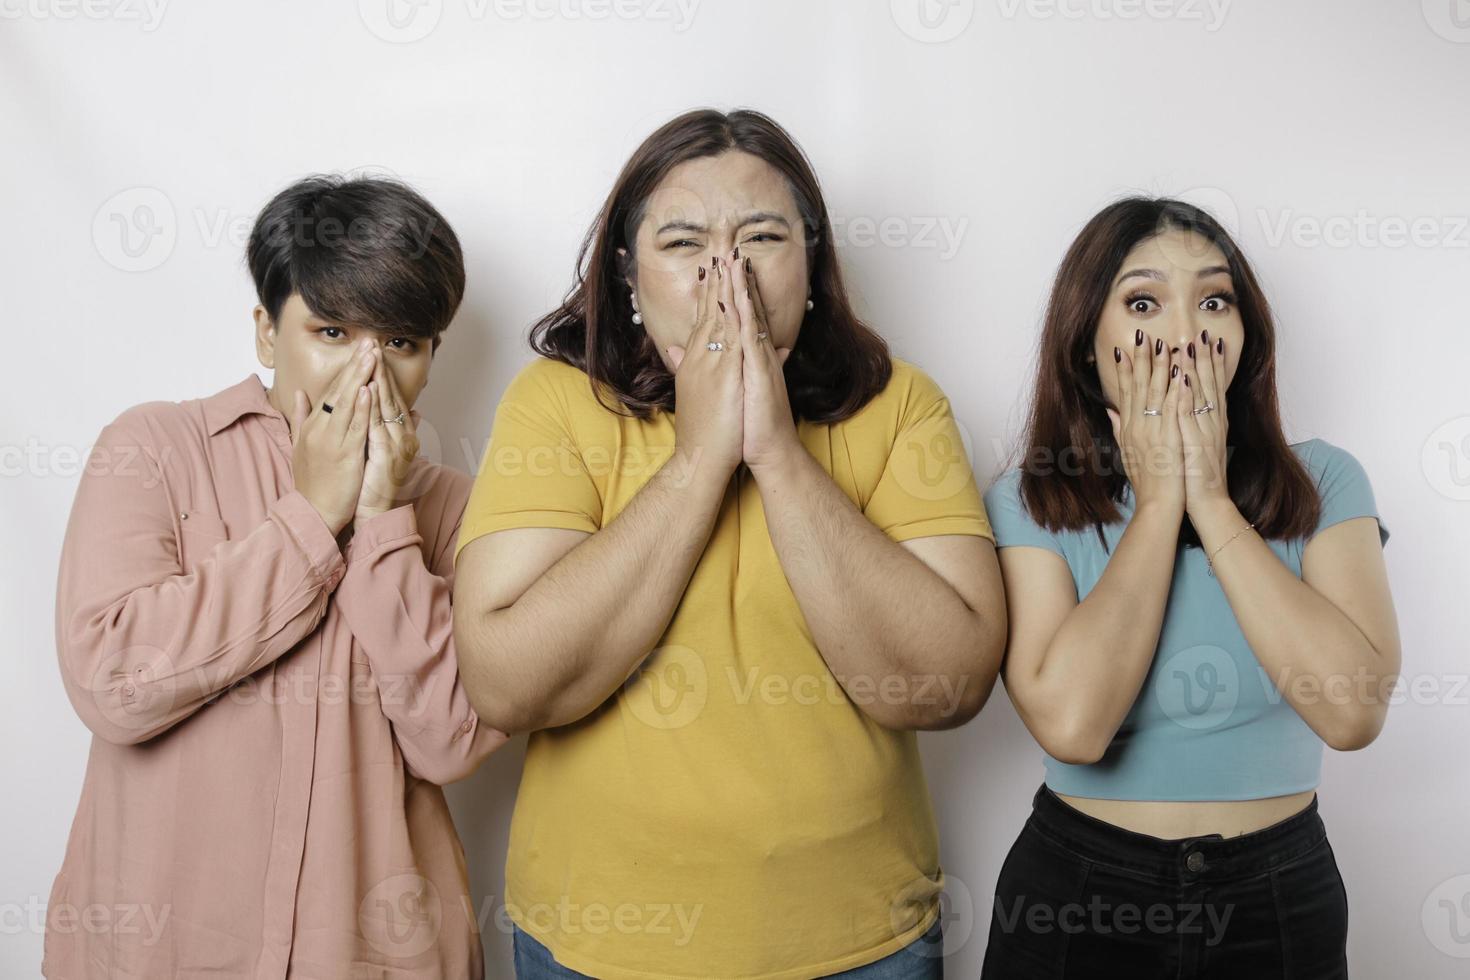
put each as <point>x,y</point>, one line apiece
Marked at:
<point>838,363</point>
<point>1068,418</point>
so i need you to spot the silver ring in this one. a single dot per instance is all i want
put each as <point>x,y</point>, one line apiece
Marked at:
<point>399,419</point>
<point>1209,407</point>
<point>1152,411</point>
<point>714,345</point>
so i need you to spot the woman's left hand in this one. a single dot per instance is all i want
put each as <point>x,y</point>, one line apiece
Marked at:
<point>391,446</point>
<point>1203,435</point>
<point>770,433</point>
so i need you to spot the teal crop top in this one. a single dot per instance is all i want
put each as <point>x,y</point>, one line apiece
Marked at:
<point>1208,724</point>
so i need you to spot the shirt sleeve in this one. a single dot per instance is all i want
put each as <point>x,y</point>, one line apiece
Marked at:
<point>1014,526</point>
<point>399,608</point>
<point>927,487</point>
<point>533,473</point>
<point>1343,484</point>
<point>143,644</point>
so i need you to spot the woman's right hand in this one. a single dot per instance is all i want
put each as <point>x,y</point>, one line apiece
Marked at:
<point>709,391</point>
<point>1149,377</point>
<point>329,449</point>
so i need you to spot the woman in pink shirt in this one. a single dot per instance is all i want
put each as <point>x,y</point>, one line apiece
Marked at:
<point>253,618</point>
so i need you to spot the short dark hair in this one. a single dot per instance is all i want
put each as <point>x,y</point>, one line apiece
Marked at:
<point>838,363</point>
<point>366,251</point>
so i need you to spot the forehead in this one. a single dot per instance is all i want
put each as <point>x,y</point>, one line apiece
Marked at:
<point>1175,252</point>
<point>719,191</point>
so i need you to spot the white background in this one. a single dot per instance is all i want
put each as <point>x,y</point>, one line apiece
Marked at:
<point>1334,136</point>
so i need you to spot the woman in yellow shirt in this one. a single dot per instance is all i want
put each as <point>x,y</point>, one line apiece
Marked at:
<point>722,626</point>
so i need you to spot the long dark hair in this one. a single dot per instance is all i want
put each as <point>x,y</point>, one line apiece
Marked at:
<point>1068,417</point>
<point>838,363</point>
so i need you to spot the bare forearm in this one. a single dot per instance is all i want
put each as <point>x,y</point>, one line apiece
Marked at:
<point>1313,653</point>
<point>1095,664</point>
<point>894,633</point>
<point>581,628</point>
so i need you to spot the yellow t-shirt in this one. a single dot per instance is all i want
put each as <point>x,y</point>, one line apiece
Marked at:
<point>729,812</point>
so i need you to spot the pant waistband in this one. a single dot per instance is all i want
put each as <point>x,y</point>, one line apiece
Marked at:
<point>1205,858</point>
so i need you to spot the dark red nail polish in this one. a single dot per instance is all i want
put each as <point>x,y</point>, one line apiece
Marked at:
<point>1117,355</point>
<point>1158,347</point>
<point>1205,334</point>
<point>1174,350</point>
<point>722,305</point>
<point>737,253</point>
<point>701,273</point>
<point>1138,338</point>
<point>1186,382</point>
<point>747,265</point>
<point>1220,346</point>
<point>1191,350</point>
<point>1174,371</point>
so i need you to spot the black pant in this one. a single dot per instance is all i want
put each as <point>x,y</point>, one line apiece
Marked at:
<point>1080,897</point>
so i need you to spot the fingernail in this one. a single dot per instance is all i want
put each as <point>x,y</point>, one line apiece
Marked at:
<point>1158,347</point>
<point>1191,349</point>
<point>1174,371</point>
<point>1205,334</point>
<point>1186,382</point>
<point>1137,338</point>
<point>701,273</point>
<point>747,264</point>
<point>722,304</point>
<point>1174,350</point>
<point>737,253</point>
<point>1117,355</point>
<point>1220,346</point>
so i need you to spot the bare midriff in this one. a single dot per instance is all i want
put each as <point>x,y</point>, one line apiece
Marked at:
<point>1195,818</point>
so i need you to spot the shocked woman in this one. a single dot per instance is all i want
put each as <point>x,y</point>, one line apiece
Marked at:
<point>1197,607</point>
<point>724,556</point>
<point>253,618</point>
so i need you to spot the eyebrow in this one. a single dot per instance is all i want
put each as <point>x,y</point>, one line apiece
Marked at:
<point>753,218</point>
<point>1159,276</point>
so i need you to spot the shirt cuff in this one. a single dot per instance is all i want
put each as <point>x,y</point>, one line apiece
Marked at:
<point>396,526</point>
<point>310,533</point>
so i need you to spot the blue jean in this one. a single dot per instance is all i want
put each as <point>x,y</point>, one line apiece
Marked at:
<point>922,959</point>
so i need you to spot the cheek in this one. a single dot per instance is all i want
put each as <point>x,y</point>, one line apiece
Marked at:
<point>314,368</point>
<point>410,376</point>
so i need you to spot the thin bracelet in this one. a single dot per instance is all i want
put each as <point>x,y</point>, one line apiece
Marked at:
<point>1210,558</point>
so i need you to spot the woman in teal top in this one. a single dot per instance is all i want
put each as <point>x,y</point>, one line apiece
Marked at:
<point>1196,607</point>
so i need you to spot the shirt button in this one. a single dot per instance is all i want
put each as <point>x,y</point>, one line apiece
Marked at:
<point>1195,861</point>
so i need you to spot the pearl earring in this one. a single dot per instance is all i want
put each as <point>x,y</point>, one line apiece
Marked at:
<point>810,306</point>
<point>637,317</point>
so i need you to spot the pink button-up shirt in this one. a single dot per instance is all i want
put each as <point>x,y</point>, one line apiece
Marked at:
<point>272,715</point>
